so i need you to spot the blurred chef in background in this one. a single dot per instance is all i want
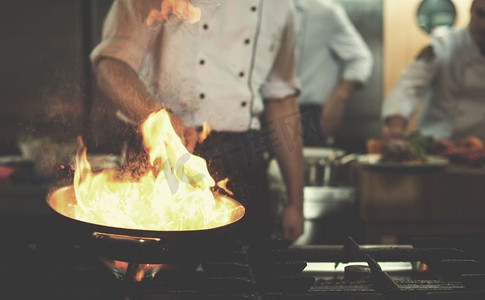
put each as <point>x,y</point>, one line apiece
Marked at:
<point>448,76</point>
<point>333,61</point>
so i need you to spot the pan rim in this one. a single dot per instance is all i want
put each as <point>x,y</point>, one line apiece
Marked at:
<point>136,231</point>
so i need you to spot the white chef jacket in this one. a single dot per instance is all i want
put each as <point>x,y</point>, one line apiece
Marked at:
<point>217,70</point>
<point>329,50</point>
<point>451,86</point>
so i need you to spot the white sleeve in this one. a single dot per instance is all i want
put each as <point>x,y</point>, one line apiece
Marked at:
<point>282,81</point>
<point>125,36</point>
<point>348,44</point>
<point>410,87</point>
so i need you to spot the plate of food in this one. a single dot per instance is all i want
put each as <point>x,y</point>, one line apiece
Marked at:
<point>402,153</point>
<point>376,160</point>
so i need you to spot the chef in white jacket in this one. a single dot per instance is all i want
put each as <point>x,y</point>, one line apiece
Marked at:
<point>231,68</point>
<point>333,61</point>
<point>448,80</point>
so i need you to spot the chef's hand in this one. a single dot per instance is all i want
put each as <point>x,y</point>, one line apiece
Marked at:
<point>292,222</point>
<point>187,134</point>
<point>394,127</point>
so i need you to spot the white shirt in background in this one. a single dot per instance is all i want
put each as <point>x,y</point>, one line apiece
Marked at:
<point>217,70</point>
<point>451,86</point>
<point>329,50</point>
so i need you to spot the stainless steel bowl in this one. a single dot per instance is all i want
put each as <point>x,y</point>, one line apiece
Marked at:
<point>322,203</point>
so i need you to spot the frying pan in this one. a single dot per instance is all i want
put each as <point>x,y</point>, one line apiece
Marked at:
<point>138,245</point>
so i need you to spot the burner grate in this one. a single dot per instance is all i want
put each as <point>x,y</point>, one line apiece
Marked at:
<point>46,266</point>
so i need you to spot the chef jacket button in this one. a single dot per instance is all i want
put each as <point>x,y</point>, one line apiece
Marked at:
<point>202,96</point>
<point>205,26</point>
<point>247,41</point>
<point>253,8</point>
<point>241,74</point>
<point>244,103</point>
<point>202,61</point>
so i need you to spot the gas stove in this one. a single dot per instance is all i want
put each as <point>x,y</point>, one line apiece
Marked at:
<point>39,262</point>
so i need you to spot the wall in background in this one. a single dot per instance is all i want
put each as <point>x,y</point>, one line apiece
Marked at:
<point>40,71</point>
<point>45,74</point>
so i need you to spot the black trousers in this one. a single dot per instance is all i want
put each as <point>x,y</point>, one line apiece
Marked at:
<point>310,121</point>
<point>244,159</point>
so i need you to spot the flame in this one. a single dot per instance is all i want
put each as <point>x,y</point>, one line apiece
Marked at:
<point>206,130</point>
<point>182,9</point>
<point>173,194</point>
<point>141,272</point>
<point>422,267</point>
<point>223,185</point>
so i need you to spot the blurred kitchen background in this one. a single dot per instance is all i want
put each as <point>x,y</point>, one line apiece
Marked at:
<point>49,97</point>
<point>48,87</point>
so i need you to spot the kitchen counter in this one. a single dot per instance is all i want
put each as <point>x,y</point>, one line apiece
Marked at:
<point>420,201</point>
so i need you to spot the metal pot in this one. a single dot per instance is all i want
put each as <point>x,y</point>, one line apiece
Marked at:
<point>135,245</point>
<point>324,201</point>
<point>322,204</point>
<point>325,166</point>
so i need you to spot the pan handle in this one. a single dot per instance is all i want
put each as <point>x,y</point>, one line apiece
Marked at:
<point>126,239</point>
<point>128,248</point>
